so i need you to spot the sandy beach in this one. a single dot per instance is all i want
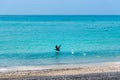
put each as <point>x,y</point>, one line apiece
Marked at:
<point>104,72</point>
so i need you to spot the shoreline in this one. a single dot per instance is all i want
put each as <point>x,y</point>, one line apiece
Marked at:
<point>61,70</point>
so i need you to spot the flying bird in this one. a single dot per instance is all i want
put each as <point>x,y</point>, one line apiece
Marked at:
<point>57,48</point>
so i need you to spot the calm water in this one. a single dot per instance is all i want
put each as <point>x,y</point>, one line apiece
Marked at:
<point>30,40</point>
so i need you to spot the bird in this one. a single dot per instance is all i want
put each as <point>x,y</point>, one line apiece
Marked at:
<point>57,48</point>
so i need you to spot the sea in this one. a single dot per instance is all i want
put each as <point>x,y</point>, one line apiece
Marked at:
<point>30,40</point>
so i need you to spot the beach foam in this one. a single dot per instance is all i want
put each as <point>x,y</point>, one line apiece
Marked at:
<point>27,68</point>
<point>3,69</point>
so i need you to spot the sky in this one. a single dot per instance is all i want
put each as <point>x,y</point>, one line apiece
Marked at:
<point>59,7</point>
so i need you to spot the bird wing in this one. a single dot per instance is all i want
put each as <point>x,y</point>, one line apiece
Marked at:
<point>56,46</point>
<point>59,46</point>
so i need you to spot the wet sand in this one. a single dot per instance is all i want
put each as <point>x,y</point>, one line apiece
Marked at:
<point>104,72</point>
<point>62,72</point>
<point>91,76</point>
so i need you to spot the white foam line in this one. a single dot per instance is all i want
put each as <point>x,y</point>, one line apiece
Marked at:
<point>3,69</point>
<point>23,68</point>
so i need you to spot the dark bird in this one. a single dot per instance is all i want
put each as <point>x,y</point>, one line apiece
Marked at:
<point>57,48</point>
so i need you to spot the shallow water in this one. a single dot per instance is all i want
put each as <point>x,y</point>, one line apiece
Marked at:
<point>31,40</point>
<point>63,58</point>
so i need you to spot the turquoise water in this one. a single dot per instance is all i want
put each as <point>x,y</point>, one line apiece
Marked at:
<point>31,40</point>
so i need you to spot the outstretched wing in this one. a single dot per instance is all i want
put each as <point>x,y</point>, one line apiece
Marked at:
<point>59,46</point>
<point>56,46</point>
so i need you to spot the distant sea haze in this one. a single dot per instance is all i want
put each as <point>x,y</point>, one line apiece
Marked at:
<point>59,17</point>
<point>83,39</point>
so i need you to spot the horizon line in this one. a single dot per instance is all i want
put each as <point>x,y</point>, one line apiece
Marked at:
<point>57,15</point>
